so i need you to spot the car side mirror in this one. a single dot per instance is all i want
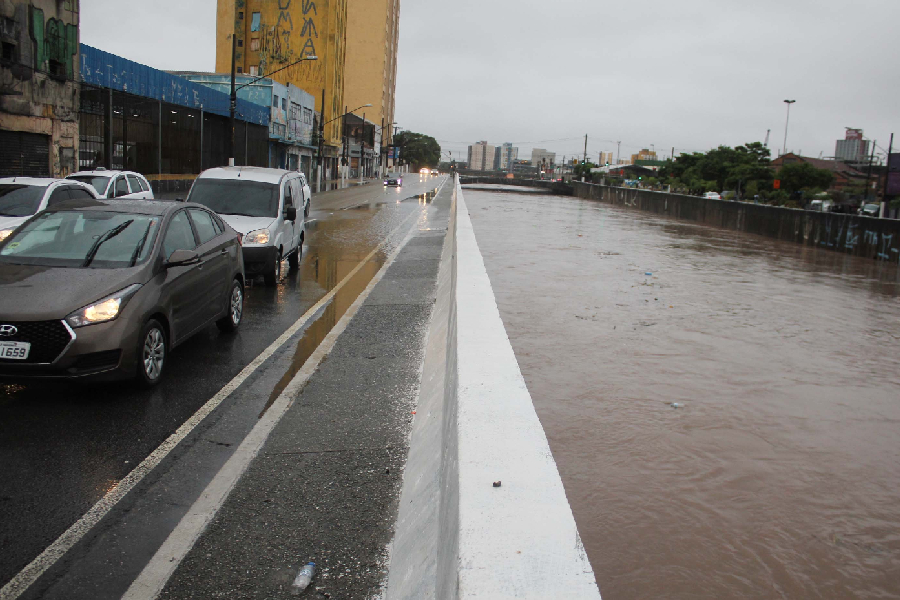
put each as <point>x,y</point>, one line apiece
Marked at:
<point>183,257</point>
<point>290,213</point>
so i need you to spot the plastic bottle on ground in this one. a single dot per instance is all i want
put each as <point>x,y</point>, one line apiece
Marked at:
<point>303,578</point>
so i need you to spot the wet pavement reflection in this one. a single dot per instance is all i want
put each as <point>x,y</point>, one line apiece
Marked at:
<point>64,445</point>
<point>723,407</point>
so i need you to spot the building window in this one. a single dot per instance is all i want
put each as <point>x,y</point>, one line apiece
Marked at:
<point>254,44</point>
<point>240,43</point>
<point>241,15</point>
<point>284,104</point>
<point>275,101</point>
<point>254,70</point>
<point>240,69</point>
<point>254,22</point>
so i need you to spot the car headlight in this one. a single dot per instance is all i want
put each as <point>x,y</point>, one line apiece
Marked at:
<point>5,233</point>
<point>103,310</point>
<point>260,236</point>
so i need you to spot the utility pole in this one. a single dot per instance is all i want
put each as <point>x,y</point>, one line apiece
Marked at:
<point>585,148</point>
<point>673,153</point>
<point>233,103</point>
<point>887,170</point>
<point>766,144</point>
<point>786,121</point>
<point>618,148</point>
<point>869,172</point>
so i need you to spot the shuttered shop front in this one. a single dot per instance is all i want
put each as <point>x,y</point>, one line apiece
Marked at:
<point>24,154</point>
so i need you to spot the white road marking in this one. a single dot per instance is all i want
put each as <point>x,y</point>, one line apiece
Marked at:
<point>149,584</point>
<point>27,576</point>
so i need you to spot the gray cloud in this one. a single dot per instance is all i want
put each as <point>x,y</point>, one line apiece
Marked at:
<point>685,73</point>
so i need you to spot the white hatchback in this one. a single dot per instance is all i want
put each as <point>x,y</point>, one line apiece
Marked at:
<point>116,184</point>
<point>23,197</point>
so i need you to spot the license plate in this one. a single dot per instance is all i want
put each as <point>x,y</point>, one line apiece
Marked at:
<point>15,350</point>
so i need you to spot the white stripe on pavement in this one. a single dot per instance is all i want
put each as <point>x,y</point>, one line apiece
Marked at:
<point>159,570</point>
<point>27,576</point>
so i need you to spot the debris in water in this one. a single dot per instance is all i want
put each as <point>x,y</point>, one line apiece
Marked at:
<point>648,274</point>
<point>676,404</point>
<point>497,484</point>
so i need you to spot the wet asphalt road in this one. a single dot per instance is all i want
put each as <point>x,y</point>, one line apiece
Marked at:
<point>63,446</point>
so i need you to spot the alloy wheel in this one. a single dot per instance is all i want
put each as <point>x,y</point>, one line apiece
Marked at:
<point>237,304</point>
<point>154,354</point>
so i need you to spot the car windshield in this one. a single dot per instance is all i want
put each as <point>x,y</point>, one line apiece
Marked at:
<point>236,197</point>
<point>19,199</point>
<point>872,207</point>
<point>98,181</point>
<point>82,238</point>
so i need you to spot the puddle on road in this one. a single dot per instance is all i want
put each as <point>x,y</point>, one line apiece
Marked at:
<point>316,331</point>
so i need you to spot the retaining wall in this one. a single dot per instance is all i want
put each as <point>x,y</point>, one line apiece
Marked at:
<point>878,239</point>
<point>557,187</point>
<point>457,536</point>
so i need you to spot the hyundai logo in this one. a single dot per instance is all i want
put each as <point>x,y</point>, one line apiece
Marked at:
<point>8,330</point>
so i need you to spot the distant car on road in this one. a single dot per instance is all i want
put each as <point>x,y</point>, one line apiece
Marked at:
<point>712,196</point>
<point>262,205</point>
<point>425,171</point>
<point>870,210</point>
<point>108,287</point>
<point>115,184</point>
<point>435,172</point>
<point>394,179</point>
<point>22,197</point>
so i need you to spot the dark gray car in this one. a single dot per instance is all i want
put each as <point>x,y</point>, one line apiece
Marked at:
<point>109,287</point>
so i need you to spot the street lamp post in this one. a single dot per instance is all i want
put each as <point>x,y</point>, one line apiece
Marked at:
<point>234,90</point>
<point>786,121</point>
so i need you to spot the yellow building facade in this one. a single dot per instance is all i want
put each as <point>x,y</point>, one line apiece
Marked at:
<point>373,30</point>
<point>272,34</point>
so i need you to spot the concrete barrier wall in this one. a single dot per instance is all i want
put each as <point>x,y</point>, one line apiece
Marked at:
<point>878,239</point>
<point>457,535</point>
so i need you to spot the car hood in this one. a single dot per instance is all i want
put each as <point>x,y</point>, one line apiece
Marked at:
<point>245,225</point>
<point>37,293</point>
<point>12,222</point>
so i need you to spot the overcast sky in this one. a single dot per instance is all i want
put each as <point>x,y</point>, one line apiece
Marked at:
<point>691,74</point>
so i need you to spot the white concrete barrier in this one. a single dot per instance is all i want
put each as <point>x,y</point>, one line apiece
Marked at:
<point>457,535</point>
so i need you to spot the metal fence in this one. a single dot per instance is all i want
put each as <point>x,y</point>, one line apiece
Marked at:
<point>118,130</point>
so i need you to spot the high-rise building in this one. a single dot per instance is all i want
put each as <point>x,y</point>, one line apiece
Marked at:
<point>481,157</point>
<point>644,154</point>
<point>853,148</point>
<point>508,154</point>
<point>540,156</point>
<point>272,34</point>
<point>373,28</point>
<point>606,158</point>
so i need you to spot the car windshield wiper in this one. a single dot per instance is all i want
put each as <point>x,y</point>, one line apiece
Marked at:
<point>236,214</point>
<point>106,236</point>
<point>140,246</point>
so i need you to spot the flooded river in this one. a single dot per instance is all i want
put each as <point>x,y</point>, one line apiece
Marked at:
<point>724,408</point>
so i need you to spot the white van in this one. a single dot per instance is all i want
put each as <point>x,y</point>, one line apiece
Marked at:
<point>266,206</point>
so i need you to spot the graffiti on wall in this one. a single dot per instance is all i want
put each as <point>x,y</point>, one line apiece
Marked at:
<point>280,43</point>
<point>56,44</point>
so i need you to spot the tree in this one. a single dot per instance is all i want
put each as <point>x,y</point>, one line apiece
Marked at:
<point>801,176</point>
<point>583,169</point>
<point>418,149</point>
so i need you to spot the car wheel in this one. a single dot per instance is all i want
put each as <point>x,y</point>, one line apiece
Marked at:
<point>272,277</point>
<point>294,259</point>
<point>232,320</point>
<point>152,354</point>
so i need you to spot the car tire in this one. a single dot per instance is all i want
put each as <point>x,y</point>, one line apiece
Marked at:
<point>153,352</point>
<point>306,210</point>
<point>271,278</point>
<point>232,320</point>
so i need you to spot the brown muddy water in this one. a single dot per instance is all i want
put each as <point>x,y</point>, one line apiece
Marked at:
<point>779,474</point>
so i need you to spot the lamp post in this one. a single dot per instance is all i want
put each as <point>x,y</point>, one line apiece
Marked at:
<point>234,90</point>
<point>340,117</point>
<point>786,121</point>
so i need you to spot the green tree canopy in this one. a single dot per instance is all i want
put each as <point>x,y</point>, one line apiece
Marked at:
<point>418,149</point>
<point>721,168</point>
<point>801,176</point>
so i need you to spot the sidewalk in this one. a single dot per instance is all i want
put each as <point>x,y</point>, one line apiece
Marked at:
<point>326,483</point>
